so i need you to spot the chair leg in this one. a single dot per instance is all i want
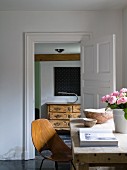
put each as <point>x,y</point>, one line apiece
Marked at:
<point>42,163</point>
<point>73,165</point>
<point>56,165</point>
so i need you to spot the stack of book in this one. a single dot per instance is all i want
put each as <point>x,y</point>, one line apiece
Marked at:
<point>97,137</point>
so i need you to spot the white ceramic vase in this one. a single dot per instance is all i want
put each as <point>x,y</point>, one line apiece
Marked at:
<point>119,121</point>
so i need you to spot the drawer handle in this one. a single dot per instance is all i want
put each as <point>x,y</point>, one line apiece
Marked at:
<point>57,116</point>
<point>69,109</point>
<point>57,108</point>
<point>57,124</point>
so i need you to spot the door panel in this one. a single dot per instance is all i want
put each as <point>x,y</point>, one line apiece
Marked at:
<point>98,70</point>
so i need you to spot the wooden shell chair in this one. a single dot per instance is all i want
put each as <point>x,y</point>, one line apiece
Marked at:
<point>44,137</point>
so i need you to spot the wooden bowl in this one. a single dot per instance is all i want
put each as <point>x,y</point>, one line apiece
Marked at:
<point>99,114</point>
<point>89,122</point>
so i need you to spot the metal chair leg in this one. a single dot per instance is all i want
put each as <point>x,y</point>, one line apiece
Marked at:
<point>73,165</point>
<point>42,163</point>
<point>56,165</point>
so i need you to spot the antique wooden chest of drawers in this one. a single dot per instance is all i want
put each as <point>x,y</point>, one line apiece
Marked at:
<point>60,113</point>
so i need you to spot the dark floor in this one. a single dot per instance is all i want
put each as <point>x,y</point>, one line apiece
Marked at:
<point>31,165</point>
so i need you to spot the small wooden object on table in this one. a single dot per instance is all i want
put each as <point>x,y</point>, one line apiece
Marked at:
<point>101,115</point>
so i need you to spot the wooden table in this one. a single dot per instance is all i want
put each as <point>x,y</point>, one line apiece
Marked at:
<point>85,157</point>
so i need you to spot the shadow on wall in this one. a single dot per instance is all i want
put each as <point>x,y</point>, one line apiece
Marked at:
<point>44,112</point>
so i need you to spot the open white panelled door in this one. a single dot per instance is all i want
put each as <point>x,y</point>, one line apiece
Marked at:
<point>98,75</point>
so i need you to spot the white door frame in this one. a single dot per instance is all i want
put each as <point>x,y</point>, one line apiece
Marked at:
<point>29,100</point>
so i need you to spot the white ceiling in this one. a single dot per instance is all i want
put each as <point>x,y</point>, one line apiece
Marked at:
<point>61,5</point>
<point>49,48</point>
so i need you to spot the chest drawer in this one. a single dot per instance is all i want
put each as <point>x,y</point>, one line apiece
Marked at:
<point>75,115</point>
<point>60,108</point>
<point>63,115</point>
<point>76,108</point>
<point>60,123</point>
<point>58,115</point>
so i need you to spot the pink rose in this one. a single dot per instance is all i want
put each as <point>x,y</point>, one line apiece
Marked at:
<point>122,100</point>
<point>105,98</point>
<point>116,93</point>
<point>122,94</point>
<point>123,90</point>
<point>112,99</point>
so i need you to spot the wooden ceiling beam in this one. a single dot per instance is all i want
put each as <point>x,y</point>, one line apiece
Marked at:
<point>57,57</point>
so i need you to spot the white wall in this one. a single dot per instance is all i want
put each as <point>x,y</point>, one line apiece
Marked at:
<point>12,27</point>
<point>125,47</point>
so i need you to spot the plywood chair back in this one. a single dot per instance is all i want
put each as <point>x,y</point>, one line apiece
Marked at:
<point>44,137</point>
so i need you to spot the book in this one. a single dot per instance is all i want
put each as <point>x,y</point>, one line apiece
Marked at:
<point>97,137</point>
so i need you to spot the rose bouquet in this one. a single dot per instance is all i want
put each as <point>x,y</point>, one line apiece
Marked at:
<point>117,100</point>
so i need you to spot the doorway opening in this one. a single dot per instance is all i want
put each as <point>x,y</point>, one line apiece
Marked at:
<point>55,72</point>
<point>29,93</point>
